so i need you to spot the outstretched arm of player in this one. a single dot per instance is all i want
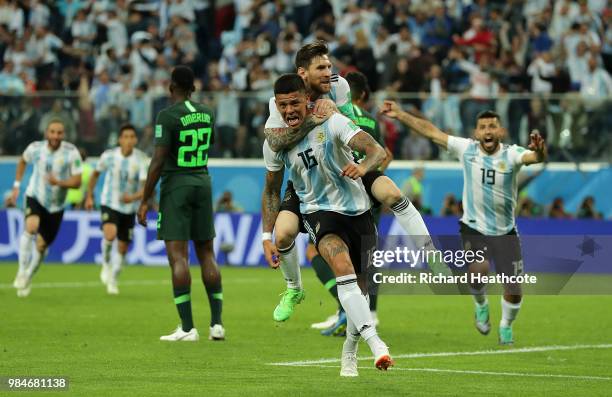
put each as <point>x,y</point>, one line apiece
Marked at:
<point>270,206</point>
<point>21,166</point>
<point>283,138</point>
<point>538,146</point>
<point>89,202</point>
<point>421,126</point>
<point>155,169</point>
<point>374,155</point>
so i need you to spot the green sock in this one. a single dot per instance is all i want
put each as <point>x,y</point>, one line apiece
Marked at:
<point>326,276</point>
<point>215,299</point>
<point>182,300</point>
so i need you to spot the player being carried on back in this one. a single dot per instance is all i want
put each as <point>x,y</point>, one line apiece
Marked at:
<point>335,205</point>
<point>314,67</point>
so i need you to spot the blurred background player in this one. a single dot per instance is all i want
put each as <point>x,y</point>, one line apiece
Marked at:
<point>360,95</point>
<point>183,134</point>
<point>489,202</point>
<point>336,209</point>
<point>56,168</point>
<point>126,171</point>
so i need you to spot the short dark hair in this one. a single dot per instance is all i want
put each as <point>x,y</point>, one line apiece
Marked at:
<point>288,83</point>
<point>183,78</point>
<point>488,114</point>
<point>307,53</point>
<point>359,85</point>
<point>126,127</point>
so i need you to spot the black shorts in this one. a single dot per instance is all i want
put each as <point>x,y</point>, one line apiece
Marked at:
<point>49,221</point>
<point>504,251</point>
<point>368,180</point>
<point>358,232</point>
<point>124,222</point>
<point>291,203</point>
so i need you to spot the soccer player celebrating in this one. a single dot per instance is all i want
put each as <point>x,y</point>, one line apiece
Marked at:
<point>360,94</point>
<point>335,206</point>
<point>313,65</point>
<point>489,201</point>
<point>126,171</point>
<point>56,168</point>
<point>183,134</point>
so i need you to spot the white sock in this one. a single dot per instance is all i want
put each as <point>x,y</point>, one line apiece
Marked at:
<point>290,267</point>
<point>412,222</point>
<point>25,250</point>
<point>352,337</point>
<point>118,261</point>
<point>410,219</point>
<point>107,248</point>
<point>355,305</point>
<point>509,312</point>
<point>35,261</point>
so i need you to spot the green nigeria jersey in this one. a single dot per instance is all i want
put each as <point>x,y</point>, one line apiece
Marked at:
<point>369,124</point>
<point>186,128</point>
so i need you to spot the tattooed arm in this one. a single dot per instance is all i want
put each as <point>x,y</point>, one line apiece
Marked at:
<point>270,206</point>
<point>284,137</point>
<point>271,200</point>
<point>374,155</point>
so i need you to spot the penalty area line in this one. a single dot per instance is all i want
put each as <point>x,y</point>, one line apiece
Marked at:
<point>533,349</point>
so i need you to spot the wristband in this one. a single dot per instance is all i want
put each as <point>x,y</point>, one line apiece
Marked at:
<point>266,236</point>
<point>16,184</point>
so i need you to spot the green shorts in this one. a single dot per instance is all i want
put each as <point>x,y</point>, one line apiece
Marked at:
<point>186,213</point>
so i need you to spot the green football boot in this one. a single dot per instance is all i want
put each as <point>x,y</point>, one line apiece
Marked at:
<point>482,319</point>
<point>505,336</point>
<point>290,298</point>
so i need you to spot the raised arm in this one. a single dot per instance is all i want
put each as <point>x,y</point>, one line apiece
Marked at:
<point>420,126</point>
<point>538,152</point>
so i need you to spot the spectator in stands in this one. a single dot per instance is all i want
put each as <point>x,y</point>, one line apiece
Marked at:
<point>588,210</point>
<point>557,209</point>
<point>450,207</point>
<point>227,204</point>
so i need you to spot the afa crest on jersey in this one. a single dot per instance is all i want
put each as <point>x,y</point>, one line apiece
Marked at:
<point>502,166</point>
<point>320,135</point>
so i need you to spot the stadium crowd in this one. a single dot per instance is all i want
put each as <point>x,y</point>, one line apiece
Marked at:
<point>98,64</point>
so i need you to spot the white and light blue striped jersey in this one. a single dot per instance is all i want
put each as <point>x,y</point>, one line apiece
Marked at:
<point>61,163</point>
<point>340,93</point>
<point>315,165</point>
<point>489,185</point>
<point>123,175</point>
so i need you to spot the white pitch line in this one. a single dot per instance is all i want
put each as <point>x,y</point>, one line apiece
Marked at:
<point>88,284</point>
<point>474,372</point>
<point>96,284</point>
<point>533,349</point>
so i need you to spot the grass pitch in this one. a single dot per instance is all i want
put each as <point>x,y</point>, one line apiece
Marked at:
<point>109,345</point>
